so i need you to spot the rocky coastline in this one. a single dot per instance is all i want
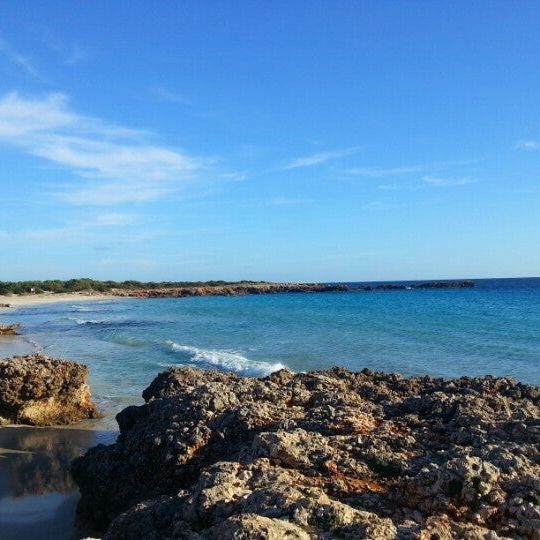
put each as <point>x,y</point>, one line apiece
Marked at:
<point>280,288</point>
<point>106,290</point>
<point>464,284</point>
<point>319,455</point>
<point>231,290</point>
<point>40,391</point>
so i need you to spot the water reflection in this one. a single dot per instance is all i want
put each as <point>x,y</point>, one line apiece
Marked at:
<point>37,492</point>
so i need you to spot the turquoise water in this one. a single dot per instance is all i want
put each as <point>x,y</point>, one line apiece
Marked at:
<point>491,329</point>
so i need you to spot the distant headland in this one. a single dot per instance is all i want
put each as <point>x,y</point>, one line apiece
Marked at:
<point>152,289</point>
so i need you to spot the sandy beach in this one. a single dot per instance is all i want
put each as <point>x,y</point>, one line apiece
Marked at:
<point>17,345</point>
<point>50,298</point>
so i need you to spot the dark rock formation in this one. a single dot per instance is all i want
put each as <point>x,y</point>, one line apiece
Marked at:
<point>41,391</point>
<point>10,330</point>
<point>466,284</point>
<point>231,290</point>
<point>320,455</point>
<point>446,285</point>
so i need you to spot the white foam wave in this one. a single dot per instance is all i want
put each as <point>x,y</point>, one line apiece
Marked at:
<point>87,321</point>
<point>81,308</point>
<point>227,360</point>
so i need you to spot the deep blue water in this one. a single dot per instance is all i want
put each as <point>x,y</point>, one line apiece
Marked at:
<point>491,329</point>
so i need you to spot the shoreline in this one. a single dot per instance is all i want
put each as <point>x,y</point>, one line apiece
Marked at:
<point>16,301</point>
<point>235,289</point>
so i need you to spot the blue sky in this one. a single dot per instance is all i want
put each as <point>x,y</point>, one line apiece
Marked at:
<point>304,140</point>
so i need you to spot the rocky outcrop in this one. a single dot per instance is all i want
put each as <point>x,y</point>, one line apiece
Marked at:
<point>10,330</point>
<point>465,284</point>
<point>276,288</point>
<point>42,391</point>
<point>231,290</point>
<point>319,455</point>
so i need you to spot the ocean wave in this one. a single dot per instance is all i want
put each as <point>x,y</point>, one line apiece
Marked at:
<point>88,321</point>
<point>82,308</point>
<point>225,360</point>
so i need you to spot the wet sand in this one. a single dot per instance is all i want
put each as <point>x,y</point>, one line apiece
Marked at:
<point>15,346</point>
<point>37,492</point>
<point>37,495</point>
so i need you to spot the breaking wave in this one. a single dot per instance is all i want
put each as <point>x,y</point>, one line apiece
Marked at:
<point>82,308</point>
<point>88,321</point>
<point>225,360</point>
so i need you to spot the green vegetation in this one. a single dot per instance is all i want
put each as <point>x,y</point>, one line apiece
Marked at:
<point>87,284</point>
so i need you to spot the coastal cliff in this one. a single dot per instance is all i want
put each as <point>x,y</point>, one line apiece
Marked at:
<point>42,391</point>
<point>319,455</point>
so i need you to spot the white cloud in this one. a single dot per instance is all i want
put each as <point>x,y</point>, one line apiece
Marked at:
<point>124,164</point>
<point>16,58</point>
<point>114,160</point>
<point>446,182</point>
<point>20,118</point>
<point>373,172</point>
<point>527,145</point>
<point>318,159</point>
<point>112,193</point>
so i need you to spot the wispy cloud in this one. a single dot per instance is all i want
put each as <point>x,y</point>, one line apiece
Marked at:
<point>168,96</point>
<point>53,234</point>
<point>318,159</point>
<point>69,54</point>
<point>400,187</point>
<point>527,145</point>
<point>288,201</point>
<point>113,193</point>
<point>114,219</point>
<point>117,164</point>
<point>373,172</point>
<point>86,228</point>
<point>437,181</point>
<point>16,58</point>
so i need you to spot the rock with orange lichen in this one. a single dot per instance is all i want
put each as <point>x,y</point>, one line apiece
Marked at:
<point>42,391</point>
<point>319,455</point>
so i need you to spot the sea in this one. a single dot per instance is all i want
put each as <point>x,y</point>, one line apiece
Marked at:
<point>493,328</point>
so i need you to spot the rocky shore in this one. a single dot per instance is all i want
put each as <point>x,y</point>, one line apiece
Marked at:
<point>319,455</point>
<point>9,330</point>
<point>465,284</point>
<point>40,391</point>
<point>276,288</point>
<point>231,290</point>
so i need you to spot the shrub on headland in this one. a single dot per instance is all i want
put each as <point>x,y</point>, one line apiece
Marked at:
<point>87,284</point>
